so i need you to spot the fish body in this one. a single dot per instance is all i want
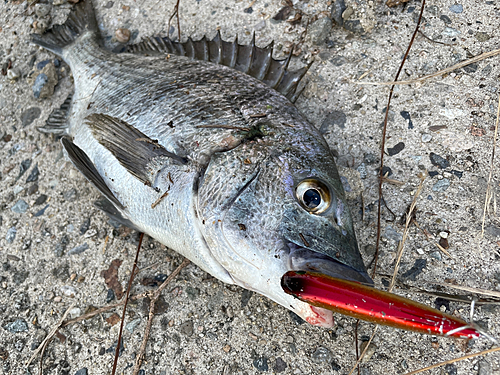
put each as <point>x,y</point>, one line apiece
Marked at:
<point>211,161</point>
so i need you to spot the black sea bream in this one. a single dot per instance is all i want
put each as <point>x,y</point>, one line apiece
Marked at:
<point>199,145</point>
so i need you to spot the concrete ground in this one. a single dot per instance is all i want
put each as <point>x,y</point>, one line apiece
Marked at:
<point>445,125</point>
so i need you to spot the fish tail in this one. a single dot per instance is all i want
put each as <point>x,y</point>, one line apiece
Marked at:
<point>81,22</point>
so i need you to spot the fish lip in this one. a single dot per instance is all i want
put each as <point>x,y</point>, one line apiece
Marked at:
<point>303,259</point>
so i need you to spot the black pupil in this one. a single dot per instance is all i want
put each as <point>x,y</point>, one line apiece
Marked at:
<point>312,198</point>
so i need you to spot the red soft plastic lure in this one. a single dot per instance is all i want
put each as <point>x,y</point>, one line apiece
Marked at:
<point>373,305</point>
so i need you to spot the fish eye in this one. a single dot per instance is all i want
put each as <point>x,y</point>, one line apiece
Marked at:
<point>313,195</point>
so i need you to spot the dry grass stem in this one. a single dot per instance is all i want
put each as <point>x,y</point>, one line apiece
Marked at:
<point>437,74</point>
<point>489,194</point>
<point>496,349</point>
<point>153,298</point>
<point>405,233</point>
<point>441,248</point>
<point>485,292</point>
<point>364,351</point>
<point>41,348</point>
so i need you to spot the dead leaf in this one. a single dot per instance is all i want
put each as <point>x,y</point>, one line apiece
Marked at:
<point>111,278</point>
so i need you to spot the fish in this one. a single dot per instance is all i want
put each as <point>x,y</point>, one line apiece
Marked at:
<point>199,145</point>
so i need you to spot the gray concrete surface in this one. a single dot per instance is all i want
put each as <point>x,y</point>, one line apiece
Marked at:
<point>211,328</point>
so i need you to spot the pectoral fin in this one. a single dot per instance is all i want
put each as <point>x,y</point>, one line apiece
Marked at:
<point>133,149</point>
<point>85,165</point>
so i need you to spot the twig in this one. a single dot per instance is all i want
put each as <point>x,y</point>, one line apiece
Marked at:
<point>41,348</point>
<point>364,351</point>
<point>436,74</point>
<point>405,233</point>
<point>492,350</point>
<point>487,199</point>
<point>485,292</point>
<point>176,12</point>
<point>443,250</point>
<point>436,41</point>
<point>132,275</point>
<point>153,298</point>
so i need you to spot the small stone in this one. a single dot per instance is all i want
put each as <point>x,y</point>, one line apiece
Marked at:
<point>406,115</point>
<point>363,172</point>
<point>70,195</point>
<point>40,65</point>
<point>451,32</point>
<point>23,167</point>
<point>226,348</point>
<point>333,118</point>
<point>33,176</point>
<point>13,74</point>
<point>426,138</point>
<point>68,291</point>
<point>85,226</point>
<point>322,354</point>
<point>186,328</point>
<point>75,312</point>
<point>109,5</point>
<point>78,249</point>
<point>42,10</point>
<point>442,304</point>
<point>11,235</point>
<point>130,326</point>
<point>33,189</point>
<point>450,369</point>
<point>438,161</point>
<point>369,352</point>
<point>396,149</point>
<point>82,371</point>
<point>445,19</point>
<point>122,35</point>
<point>248,10</point>
<point>443,234</point>
<point>436,255</point>
<point>260,363</point>
<point>318,31</point>
<point>19,345</point>
<point>44,83</point>
<point>482,36</point>
<point>245,297</point>
<point>391,234</point>
<point>416,270</point>
<point>441,185</point>
<point>41,200</point>
<point>335,366</point>
<point>20,207</point>
<point>484,367</point>
<point>345,184</point>
<point>456,8</point>
<point>192,293</point>
<point>16,326</point>
<point>110,295</point>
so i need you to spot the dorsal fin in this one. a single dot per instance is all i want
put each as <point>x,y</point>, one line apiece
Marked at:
<point>250,59</point>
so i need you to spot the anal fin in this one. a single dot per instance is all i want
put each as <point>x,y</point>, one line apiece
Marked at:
<point>82,162</point>
<point>57,122</point>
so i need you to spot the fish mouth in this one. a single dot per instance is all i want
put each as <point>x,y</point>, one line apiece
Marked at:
<point>302,259</point>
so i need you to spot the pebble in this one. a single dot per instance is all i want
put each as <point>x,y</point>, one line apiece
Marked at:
<point>335,366</point>
<point>363,172</point>
<point>484,367</point>
<point>415,270</point>
<point>186,328</point>
<point>130,326</point>
<point>436,255</point>
<point>280,365</point>
<point>33,176</point>
<point>260,363</point>
<point>41,25</point>
<point>319,30</point>
<point>85,226</point>
<point>17,326</point>
<point>396,149</point>
<point>391,234</point>
<point>41,212</point>
<point>20,207</point>
<point>45,81</point>
<point>110,295</point>
<point>70,195</point>
<point>451,32</point>
<point>78,249</point>
<point>445,19</point>
<point>68,291</point>
<point>345,184</point>
<point>450,369</point>
<point>333,118</point>
<point>13,74</point>
<point>482,36</point>
<point>441,185</point>
<point>122,35</point>
<point>19,345</point>
<point>82,371</point>
<point>369,352</point>
<point>192,293</point>
<point>248,10</point>
<point>426,138</point>
<point>23,167</point>
<point>321,355</point>
<point>438,161</point>
<point>40,65</point>
<point>386,171</point>
<point>456,8</point>
<point>41,200</point>
<point>109,5</point>
<point>245,297</point>
<point>33,189</point>
<point>42,10</point>
<point>75,312</point>
<point>442,304</point>
<point>406,115</point>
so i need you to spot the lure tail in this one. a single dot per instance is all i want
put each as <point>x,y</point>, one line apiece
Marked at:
<point>373,305</point>
<point>81,22</point>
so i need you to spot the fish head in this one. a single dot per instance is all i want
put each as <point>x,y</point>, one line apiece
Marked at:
<point>271,209</point>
